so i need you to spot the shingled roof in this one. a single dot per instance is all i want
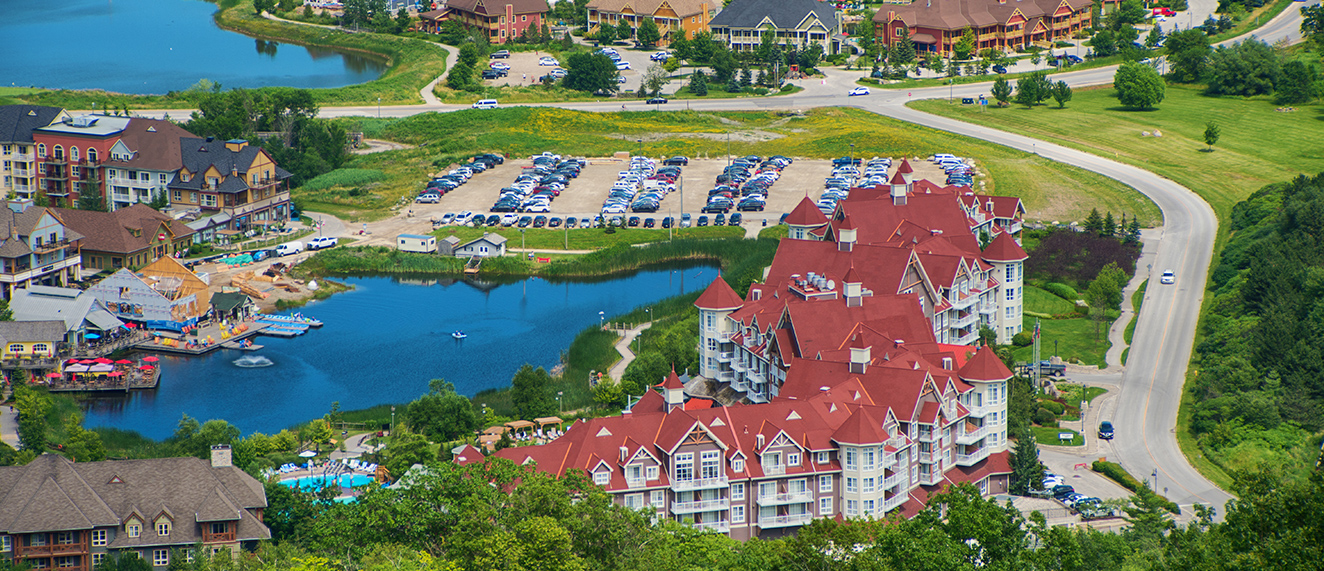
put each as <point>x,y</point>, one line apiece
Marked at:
<point>682,8</point>
<point>719,295</point>
<point>197,155</point>
<point>498,7</point>
<point>154,144</point>
<point>18,121</point>
<point>122,231</point>
<point>782,13</point>
<point>1004,248</point>
<point>957,14</point>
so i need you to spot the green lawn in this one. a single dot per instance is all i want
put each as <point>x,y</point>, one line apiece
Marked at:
<point>1044,303</point>
<point>1048,435</point>
<point>1073,338</point>
<point>586,238</point>
<point>1258,145</point>
<point>1051,190</point>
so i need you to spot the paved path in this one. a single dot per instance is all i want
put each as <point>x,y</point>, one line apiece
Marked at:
<point>9,426</point>
<point>623,346</point>
<point>1149,239</point>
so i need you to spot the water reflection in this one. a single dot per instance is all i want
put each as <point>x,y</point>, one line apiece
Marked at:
<point>266,48</point>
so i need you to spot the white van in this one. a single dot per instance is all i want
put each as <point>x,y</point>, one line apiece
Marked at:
<point>485,104</point>
<point>940,156</point>
<point>289,248</point>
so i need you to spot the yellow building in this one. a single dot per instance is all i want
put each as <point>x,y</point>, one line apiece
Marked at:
<point>234,178</point>
<point>673,17</point>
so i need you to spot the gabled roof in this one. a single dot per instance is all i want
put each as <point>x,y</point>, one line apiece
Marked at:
<point>1004,248</point>
<point>957,14</point>
<point>154,144</point>
<point>784,14</point>
<point>682,8</point>
<point>124,231</point>
<point>985,366</point>
<point>30,331</point>
<point>73,306</point>
<point>498,7</point>
<point>198,155</point>
<point>861,428</point>
<point>719,295</point>
<point>18,121</point>
<point>806,213</point>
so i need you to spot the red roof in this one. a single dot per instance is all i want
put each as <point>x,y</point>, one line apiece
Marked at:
<point>905,167</point>
<point>846,224</point>
<point>898,179</point>
<point>1004,248</point>
<point>650,402</point>
<point>673,381</point>
<point>698,404</point>
<point>985,366</point>
<point>806,214</point>
<point>719,295</point>
<point>860,428</point>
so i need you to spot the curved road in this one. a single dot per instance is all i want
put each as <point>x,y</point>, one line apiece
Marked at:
<point>1147,405</point>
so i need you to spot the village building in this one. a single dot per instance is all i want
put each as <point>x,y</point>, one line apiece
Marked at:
<point>486,246</point>
<point>132,236</point>
<point>675,19</point>
<point>36,248</point>
<point>57,514</point>
<point>30,344</point>
<point>233,305</point>
<point>142,162</point>
<point>232,178</point>
<point>163,295</point>
<point>935,26</point>
<point>501,20</point>
<point>79,310</point>
<point>19,175</point>
<point>797,23</point>
<point>70,155</point>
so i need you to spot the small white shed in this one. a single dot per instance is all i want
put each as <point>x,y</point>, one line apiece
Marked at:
<point>416,243</point>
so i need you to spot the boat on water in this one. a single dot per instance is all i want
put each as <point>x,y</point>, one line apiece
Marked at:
<point>282,332</point>
<point>296,319</point>
<point>459,335</point>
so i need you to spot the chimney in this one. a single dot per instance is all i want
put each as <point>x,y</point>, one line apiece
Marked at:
<point>853,288</point>
<point>220,456</point>
<point>758,442</point>
<point>859,355</point>
<point>624,452</point>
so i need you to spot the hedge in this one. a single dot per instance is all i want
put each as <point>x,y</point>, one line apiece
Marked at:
<point>1063,291</point>
<point>1118,474</point>
<point>1053,406</point>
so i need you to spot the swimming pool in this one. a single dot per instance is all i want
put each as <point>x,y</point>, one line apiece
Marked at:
<point>311,483</point>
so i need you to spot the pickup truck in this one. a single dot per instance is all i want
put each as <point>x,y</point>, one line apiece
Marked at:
<point>1047,369</point>
<point>846,161</point>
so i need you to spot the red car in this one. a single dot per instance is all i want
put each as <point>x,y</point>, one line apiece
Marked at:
<point>1165,12</point>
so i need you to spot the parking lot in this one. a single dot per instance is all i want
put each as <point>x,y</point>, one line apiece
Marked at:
<point>584,195</point>
<point>524,68</point>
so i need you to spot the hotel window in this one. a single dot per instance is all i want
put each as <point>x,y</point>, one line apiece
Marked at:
<point>1011,313</point>
<point>685,466</point>
<point>40,348</point>
<point>650,473</point>
<point>825,483</point>
<point>134,529</point>
<point>852,507</point>
<point>6,542</point>
<point>160,557</point>
<point>97,558</point>
<point>767,490</point>
<point>737,491</point>
<point>523,18</point>
<point>822,457</point>
<point>738,465</point>
<point>868,459</point>
<point>40,563</point>
<point>710,464</point>
<point>162,178</point>
<point>1011,273</point>
<point>868,507</point>
<point>58,152</point>
<point>868,485</point>
<point>99,538</point>
<point>66,561</point>
<point>8,149</point>
<point>659,498</point>
<point>793,459</point>
<point>634,501</point>
<point>73,154</point>
<point>737,514</point>
<point>825,506</point>
<point>64,538</point>
<point>634,473</point>
<point>852,485</point>
<point>850,458</point>
<point>601,478</point>
<point>176,195</point>
<point>41,150</point>
<point>209,200</point>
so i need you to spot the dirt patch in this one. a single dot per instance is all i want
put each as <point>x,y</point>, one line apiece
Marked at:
<point>377,145</point>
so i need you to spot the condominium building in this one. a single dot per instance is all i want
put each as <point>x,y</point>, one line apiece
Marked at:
<point>36,248</point>
<point>675,19</point>
<point>231,178</point>
<point>70,154</point>
<point>798,23</point>
<point>1004,25</point>
<point>18,150</point>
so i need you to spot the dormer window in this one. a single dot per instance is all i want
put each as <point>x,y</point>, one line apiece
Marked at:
<point>163,527</point>
<point>133,528</point>
<point>738,465</point>
<point>602,478</point>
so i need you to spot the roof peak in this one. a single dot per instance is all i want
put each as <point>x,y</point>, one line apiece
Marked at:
<point>719,295</point>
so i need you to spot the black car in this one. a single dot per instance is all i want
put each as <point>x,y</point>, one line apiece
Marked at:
<point>491,158</point>
<point>999,69</point>
<point>492,74</point>
<point>719,220</point>
<point>1054,62</point>
<point>525,221</point>
<point>499,54</point>
<point>1062,491</point>
<point>667,222</point>
<point>656,101</point>
<point>1106,430</point>
<point>633,222</point>
<point>703,221</point>
<point>571,222</point>
<point>554,222</point>
<point>846,161</point>
<point>539,221</point>
<point>649,223</point>
<point>493,220</point>
<point>735,219</point>
<point>478,221</point>
<point>676,161</point>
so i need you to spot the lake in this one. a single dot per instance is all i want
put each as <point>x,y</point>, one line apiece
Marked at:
<point>382,343</point>
<point>156,46</point>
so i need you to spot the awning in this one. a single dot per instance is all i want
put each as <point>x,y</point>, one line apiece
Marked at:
<point>923,39</point>
<point>518,424</point>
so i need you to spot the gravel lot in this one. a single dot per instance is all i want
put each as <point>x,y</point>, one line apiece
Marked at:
<point>524,68</point>
<point>584,195</point>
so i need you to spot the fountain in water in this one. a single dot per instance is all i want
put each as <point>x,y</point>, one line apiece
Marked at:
<point>252,362</point>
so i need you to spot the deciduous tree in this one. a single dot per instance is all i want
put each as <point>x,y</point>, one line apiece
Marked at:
<point>1211,132</point>
<point>1188,55</point>
<point>1297,84</point>
<point>648,34</point>
<point>1138,85</point>
<point>591,72</point>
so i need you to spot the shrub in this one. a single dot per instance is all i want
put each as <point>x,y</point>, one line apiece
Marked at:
<point>1075,258</point>
<point>1053,406</point>
<point>1022,339</point>
<point>1044,417</point>
<point>1063,291</point>
<point>1116,473</point>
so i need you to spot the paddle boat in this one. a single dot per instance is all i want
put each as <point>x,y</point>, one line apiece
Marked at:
<point>296,319</point>
<point>459,335</point>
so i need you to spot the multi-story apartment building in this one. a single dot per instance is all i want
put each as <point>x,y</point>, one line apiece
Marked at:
<point>232,178</point>
<point>58,514</point>
<point>142,162</point>
<point>860,438</point>
<point>675,19</point>
<point>1005,25</point>
<point>18,151</point>
<point>799,23</point>
<point>36,248</point>
<point>503,20</point>
<point>70,154</point>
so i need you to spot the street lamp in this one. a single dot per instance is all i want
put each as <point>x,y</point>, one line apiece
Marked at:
<point>558,402</point>
<point>601,316</point>
<point>852,154</point>
<point>392,422</point>
<point>728,148</point>
<point>639,147</point>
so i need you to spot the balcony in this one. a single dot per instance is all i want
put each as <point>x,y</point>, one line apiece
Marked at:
<point>54,160</point>
<point>739,385</point>
<point>55,549</point>
<point>737,366</point>
<point>250,207</point>
<point>969,319</point>
<point>959,301</point>
<point>966,339</point>
<point>989,309</point>
<point>700,506</point>
<point>635,482</point>
<point>894,502</point>
<point>724,336</point>
<point>717,526</point>
<point>700,484</point>
<point>23,188</point>
<point>972,458</point>
<point>23,274</point>
<point>888,461</point>
<point>1014,227</point>
<point>774,469</point>
<point>725,356</point>
<point>726,376</point>
<point>971,436</point>
<point>757,398</point>
<point>927,436</point>
<point>785,520</point>
<point>45,247</point>
<point>756,377</point>
<point>977,411</point>
<point>892,480</point>
<point>23,157</point>
<point>926,458</point>
<point>21,173</point>
<point>121,197</point>
<point>782,499</point>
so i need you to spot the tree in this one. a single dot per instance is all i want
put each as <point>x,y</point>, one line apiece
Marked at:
<point>91,201</point>
<point>591,72</point>
<point>1188,55</point>
<point>699,83</point>
<point>1154,38</point>
<point>1247,68</point>
<point>404,450</point>
<point>1130,13</point>
<point>1061,93</point>
<point>260,6</point>
<point>608,394</point>
<point>902,51</point>
<point>733,86</point>
<point>966,45</point>
<point>1297,83</point>
<point>124,561</point>
<point>723,63</point>
<point>623,29</point>
<point>648,34</point>
<point>1001,90</point>
<point>1094,222</point>
<point>1109,226</point>
<point>746,77</point>
<point>1138,85</point>
<point>530,392</point>
<point>606,34</point>
<point>360,12</point>
<point>6,314</point>
<point>1027,472</point>
<point>1312,25</point>
<point>32,407</point>
<point>1133,230</point>
<point>655,78</point>
<point>1104,42</point>
<point>82,445</point>
<point>442,414</point>
<point>1211,132</point>
<point>1033,89</point>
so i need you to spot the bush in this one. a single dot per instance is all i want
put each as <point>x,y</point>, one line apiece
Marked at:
<point>1063,291</point>
<point>1053,406</point>
<point>1116,473</point>
<point>1022,339</point>
<point>1044,417</point>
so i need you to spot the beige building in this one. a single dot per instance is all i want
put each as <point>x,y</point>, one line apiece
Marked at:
<point>18,171</point>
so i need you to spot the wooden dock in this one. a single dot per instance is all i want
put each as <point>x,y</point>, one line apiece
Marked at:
<point>152,345</point>
<point>102,383</point>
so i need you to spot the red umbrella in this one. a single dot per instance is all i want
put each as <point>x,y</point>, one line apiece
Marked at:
<point>151,359</point>
<point>129,325</point>
<point>54,375</point>
<point>88,362</point>
<point>102,361</point>
<point>146,368</point>
<point>71,361</point>
<point>116,374</point>
<point>123,362</point>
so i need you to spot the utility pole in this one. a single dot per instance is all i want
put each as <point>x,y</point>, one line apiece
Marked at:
<point>1038,363</point>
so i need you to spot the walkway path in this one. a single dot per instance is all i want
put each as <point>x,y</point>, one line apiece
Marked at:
<point>9,426</point>
<point>623,346</point>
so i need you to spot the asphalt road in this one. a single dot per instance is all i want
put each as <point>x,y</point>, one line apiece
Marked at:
<point>1146,409</point>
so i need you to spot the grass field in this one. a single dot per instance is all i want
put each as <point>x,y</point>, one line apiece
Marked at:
<point>1258,145</point>
<point>1072,338</point>
<point>1048,435</point>
<point>1044,303</point>
<point>1051,191</point>
<point>585,238</point>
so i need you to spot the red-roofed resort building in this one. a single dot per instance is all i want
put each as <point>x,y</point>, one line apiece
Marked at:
<point>859,390</point>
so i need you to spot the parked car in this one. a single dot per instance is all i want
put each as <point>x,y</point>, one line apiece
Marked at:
<point>428,198</point>
<point>656,101</point>
<point>660,56</point>
<point>321,242</point>
<point>1062,491</point>
<point>668,221</point>
<point>999,69</point>
<point>649,223</point>
<point>548,61</point>
<point>703,221</point>
<point>500,54</point>
<point>1106,430</point>
<point>622,65</point>
<point>676,161</point>
<point>289,248</point>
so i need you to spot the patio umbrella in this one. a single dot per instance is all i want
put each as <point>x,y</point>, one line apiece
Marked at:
<point>123,362</point>
<point>91,336</point>
<point>151,359</point>
<point>88,362</point>
<point>76,369</point>
<point>307,454</point>
<point>70,361</point>
<point>103,361</point>
<point>54,375</point>
<point>146,368</point>
<point>129,325</point>
<point>103,368</point>
<point>116,374</point>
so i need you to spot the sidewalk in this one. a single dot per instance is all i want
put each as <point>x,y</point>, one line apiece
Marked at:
<point>1149,239</point>
<point>9,426</point>
<point>623,346</point>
